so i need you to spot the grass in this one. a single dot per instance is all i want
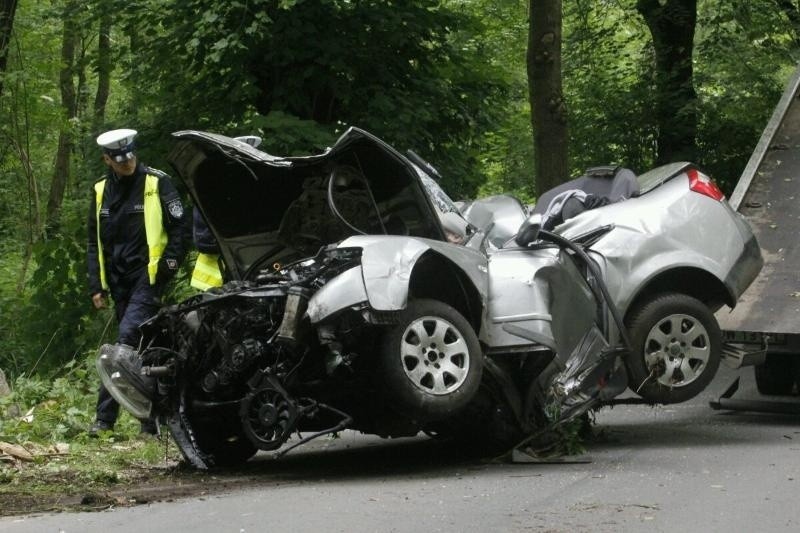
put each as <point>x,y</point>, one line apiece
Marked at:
<point>47,455</point>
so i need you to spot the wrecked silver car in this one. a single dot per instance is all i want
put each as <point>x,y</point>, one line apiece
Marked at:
<point>360,296</point>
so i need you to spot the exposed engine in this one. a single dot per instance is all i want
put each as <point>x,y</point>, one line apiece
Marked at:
<point>244,347</point>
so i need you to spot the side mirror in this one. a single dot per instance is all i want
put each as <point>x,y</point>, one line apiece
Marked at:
<point>454,227</point>
<point>529,230</point>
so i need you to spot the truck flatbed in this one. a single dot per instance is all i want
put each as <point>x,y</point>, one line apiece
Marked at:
<point>768,195</point>
<point>768,313</point>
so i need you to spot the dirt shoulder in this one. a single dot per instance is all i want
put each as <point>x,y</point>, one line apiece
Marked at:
<point>64,491</point>
<point>95,476</point>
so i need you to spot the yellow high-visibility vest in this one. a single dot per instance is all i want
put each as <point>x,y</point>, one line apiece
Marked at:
<point>154,230</point>
<point>206,273</point>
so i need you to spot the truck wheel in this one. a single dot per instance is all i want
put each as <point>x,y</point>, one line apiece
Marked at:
<point>431,361</point>
<point>775,376</point>
<point>677,347</point>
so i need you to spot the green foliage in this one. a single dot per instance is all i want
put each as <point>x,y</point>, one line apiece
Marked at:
<point>286,134</point>
<point>414,73</point>
<point>58,288</point>
<point>608,87</point>
<point>50,411</point>
<point>743,55</point>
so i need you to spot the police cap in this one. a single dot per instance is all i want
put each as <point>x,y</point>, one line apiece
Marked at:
<point>118,144</point>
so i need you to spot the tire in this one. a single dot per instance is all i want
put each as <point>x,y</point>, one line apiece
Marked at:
<point>677,347</point>
<point>431,362</point>
<point>484,427</point>
<point>223,439</point>
<point>776,376</point>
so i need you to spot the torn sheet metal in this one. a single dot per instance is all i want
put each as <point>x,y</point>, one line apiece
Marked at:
<point>344,291</point>
<point>387,264</point>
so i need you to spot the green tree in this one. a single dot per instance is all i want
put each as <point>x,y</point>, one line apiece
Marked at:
<point>414,73</point>
<point>8,9</point>
<point>549,116</point>
<point>672,26</point>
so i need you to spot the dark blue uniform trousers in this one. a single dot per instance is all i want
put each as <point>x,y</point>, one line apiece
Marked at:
<point>133,303</point>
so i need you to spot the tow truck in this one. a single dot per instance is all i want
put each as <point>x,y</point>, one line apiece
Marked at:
<point>763,330</point>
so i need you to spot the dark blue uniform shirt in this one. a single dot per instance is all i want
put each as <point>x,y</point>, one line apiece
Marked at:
<point>122,229</point>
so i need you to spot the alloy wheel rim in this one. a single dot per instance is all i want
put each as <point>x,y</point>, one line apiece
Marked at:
<point>677,349</point>
<point>434,355</point>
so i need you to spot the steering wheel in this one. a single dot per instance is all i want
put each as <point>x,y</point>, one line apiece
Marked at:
<point>337,214</point>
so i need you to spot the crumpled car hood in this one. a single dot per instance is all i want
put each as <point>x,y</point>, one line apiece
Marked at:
<point>266,211</point>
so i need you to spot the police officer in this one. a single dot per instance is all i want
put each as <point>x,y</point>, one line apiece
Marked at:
<point>207,273</point>
<point>135,246</point>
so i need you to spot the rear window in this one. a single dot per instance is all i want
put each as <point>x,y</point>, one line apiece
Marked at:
<point>653,178</point>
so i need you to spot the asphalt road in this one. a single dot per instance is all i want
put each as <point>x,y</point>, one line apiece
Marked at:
<point>677,468</point>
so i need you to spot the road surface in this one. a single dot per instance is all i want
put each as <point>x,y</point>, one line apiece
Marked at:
<point>677,468</point>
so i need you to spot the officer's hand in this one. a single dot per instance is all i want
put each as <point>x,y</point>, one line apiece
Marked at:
<point>99,300</point>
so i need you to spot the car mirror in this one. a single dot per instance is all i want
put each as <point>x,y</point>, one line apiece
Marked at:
<point>455,227</point>
<point>529,230</point>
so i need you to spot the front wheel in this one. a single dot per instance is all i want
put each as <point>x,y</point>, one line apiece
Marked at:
<point>677,347</point>
<point>431,361</point>
<point>218,439</point>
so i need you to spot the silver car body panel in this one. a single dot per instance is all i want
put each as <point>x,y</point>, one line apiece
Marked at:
<point>666,229</point>
<point>537,296</point>
<point>388,261</point>
<point>499,217</point>
<point>342,292</point>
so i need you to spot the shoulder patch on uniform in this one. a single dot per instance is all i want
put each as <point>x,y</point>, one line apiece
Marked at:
<point>155,172</point>
<point>175,208</point>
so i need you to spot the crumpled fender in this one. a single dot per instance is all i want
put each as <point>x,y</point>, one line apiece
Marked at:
<point>387,263</point>
<point>343,291</point>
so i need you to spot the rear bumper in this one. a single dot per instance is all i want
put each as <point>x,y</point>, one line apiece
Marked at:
<point>746,268</point>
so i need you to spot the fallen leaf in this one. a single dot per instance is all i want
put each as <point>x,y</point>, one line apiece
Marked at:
<point>28,416</point>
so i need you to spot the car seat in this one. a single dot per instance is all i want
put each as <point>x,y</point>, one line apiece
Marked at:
<point>598,186</point>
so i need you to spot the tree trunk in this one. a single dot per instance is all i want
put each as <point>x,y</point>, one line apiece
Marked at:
<point>69,103</point>
<point>7,10</point>
<point>672,25</point>
<point>548,109</point>
<point>104,67</point>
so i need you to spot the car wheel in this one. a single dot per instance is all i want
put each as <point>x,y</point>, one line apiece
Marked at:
<point>431,361</point>
<point>776,376</point>
<point>486,425</point>
<point>677,347</point>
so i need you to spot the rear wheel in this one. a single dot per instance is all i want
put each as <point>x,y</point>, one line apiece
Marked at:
<point>776,376</point>
<point>431,361</point>
<point>676,345</point>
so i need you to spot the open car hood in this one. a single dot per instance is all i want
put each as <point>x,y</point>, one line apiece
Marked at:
<point>266,211</point>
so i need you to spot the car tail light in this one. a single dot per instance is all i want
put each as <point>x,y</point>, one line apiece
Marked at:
<point>699,182</point>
